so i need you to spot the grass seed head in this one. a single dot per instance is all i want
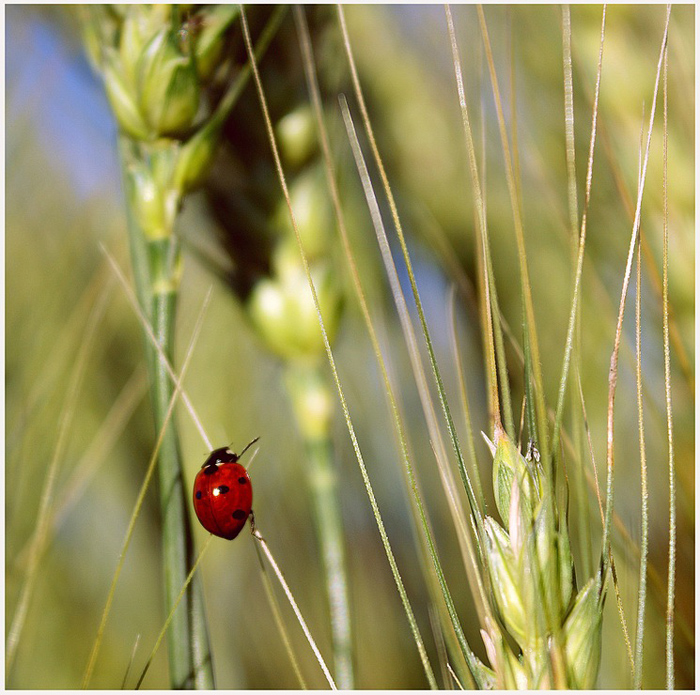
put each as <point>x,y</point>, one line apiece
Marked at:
<point>283,311</point>
<point>531,580</point>
<point>168,85</point>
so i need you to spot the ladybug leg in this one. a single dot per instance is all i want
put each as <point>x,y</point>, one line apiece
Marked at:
<point>254,529</point>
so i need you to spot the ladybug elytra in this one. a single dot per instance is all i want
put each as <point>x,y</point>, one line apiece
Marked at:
<point>223,494</point>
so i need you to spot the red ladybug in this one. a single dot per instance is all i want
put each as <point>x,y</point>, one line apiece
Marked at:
<point>223,494</point>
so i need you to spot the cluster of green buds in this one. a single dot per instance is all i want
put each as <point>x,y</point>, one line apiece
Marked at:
<point>156,61</point>
<point>281,305</point>
<point>532,587</point>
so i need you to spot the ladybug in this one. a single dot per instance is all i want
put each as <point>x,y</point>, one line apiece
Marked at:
<point>223,494</point>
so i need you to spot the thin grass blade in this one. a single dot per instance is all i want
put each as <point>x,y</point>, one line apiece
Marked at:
<point>670,604</point>
<point>42,528</point>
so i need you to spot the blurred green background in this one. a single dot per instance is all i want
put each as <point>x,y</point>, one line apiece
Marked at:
<point>63,200</point>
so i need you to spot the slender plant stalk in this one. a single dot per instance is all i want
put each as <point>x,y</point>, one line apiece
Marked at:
<point>88,464</point>
<point>176,603</point>
<point>653,272</point>
<point>274,605</point>
<point>464,399</point>
<point>480,214</point>
<point>530,334</point>
<point>581,238</point>
<point>130,665</point>
<point>569,120</point>
<point>504,409</point>
<point>156,266</point>
<point>612,381</point>
<point>63,350</point>
<point>510,60</point>
<point>109,433</point>
<point>151,336</point>
<point>324,490</point>
<point>529,399</point>
<point>670,675</point>
<point>574,332</point>
<point>454,677</point>
<point>42,527</point>
<point>580,492</point>
<point>644,545</point>
<point>290,597</point>
<point>583,515</point>
<point>307,384</point>
<point>190,658</point>
<point>439,643</point>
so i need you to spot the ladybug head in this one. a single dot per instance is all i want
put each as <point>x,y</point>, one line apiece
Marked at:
<point>225,455</point>
<point>222,455</point>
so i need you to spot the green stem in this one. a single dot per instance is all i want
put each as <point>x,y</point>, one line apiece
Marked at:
<point>188,648</point>
<point>137,241</point>
<point>305,384</point>
<point>155,266</point>
<point>324,490</point>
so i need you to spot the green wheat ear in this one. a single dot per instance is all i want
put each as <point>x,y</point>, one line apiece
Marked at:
<point>529,566</point>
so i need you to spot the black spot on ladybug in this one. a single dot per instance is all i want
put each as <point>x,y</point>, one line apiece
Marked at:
<point>199,495</point>
<point>242,480</point>
<point>210,470</point>
<point>239,514</point>
<point>221,490</point>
